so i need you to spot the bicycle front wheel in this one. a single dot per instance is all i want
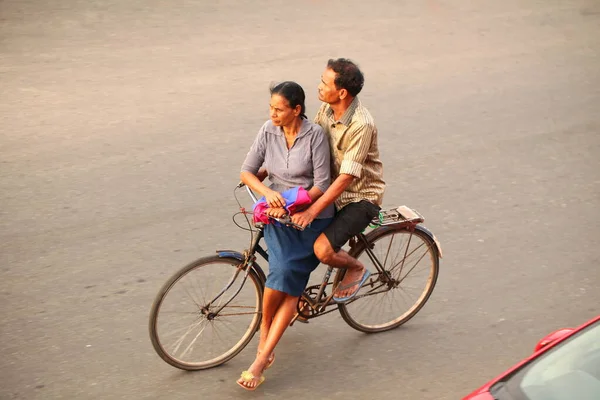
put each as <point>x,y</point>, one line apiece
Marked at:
<point>206,313</point>
<point>411,263</point>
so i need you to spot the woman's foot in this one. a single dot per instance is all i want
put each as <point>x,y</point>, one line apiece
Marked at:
<point>249,381</point>
<point>253,377</point>
<point>270,359</point>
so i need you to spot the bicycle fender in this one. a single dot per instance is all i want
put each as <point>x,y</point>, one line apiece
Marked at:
<point>239,256</point>
<point>426,231</point>
<point>230,253</point>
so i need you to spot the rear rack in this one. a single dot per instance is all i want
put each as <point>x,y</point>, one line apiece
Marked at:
<point>396,215</point>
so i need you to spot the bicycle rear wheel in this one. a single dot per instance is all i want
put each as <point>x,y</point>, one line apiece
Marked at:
<point>412,262</point>
<point>184,330</point>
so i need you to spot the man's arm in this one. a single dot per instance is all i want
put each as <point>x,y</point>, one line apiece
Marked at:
<point>360,137</point>
<point>331,194</point>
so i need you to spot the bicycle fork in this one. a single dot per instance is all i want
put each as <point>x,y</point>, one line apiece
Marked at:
<point>210,315</point>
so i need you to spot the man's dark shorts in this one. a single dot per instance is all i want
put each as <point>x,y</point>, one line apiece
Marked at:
<point>350,221</point>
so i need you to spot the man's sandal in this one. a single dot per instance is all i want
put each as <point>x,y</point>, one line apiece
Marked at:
<point>359,283</point>
<point>248,377</point>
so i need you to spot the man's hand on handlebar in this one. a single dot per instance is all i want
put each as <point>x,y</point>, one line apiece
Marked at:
<point>287,221</point>
<point>303,218</point>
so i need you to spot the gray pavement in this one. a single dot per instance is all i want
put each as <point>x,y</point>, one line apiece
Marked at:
<point>124,123</point>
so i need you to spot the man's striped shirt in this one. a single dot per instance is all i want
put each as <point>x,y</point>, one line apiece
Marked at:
<point>354,150</point>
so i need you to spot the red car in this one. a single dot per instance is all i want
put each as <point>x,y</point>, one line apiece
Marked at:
<point>565,365</point>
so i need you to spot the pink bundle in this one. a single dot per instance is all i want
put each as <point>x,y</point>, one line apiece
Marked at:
<point>295,198</point>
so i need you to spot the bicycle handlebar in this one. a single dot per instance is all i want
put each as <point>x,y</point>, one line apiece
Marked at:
<point>287,221</point>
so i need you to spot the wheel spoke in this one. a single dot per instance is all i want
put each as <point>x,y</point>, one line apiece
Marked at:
<point>187,291</point>
<point>236,314</point>
<point>179,341</point>
<point>194,340</point>
<point>187,329</point>
<point>413,267</point>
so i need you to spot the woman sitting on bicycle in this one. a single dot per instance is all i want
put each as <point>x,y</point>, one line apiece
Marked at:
<point>295,152</point>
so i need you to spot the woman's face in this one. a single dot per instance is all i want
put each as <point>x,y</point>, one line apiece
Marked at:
<point>280,111</point>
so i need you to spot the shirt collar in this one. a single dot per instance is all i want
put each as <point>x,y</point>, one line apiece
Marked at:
<point>348,114</point>
<point>304,129</point>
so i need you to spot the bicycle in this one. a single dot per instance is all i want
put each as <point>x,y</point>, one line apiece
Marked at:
<point>185,320</point>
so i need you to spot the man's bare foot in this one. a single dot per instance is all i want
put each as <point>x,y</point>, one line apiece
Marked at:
<point>352,276</point>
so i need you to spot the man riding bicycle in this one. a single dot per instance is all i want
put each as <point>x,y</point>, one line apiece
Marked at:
<point>358,186</point>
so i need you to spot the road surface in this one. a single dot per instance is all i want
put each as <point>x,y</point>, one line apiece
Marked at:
<point>123,127</point>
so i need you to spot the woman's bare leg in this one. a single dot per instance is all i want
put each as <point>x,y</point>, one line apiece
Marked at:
<point>281,320</point>
<point>272,299</point>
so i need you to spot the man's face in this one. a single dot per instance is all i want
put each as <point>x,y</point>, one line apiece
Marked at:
<point>280,111</point>
<point>328,93</point>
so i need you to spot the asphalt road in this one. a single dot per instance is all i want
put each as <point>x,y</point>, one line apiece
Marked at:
<point>123,126</point>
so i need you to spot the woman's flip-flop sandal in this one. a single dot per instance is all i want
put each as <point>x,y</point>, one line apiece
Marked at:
<point>248,377</point>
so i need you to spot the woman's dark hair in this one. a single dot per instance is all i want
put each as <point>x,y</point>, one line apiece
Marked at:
<point>347,75</point>
<point>293,93</point>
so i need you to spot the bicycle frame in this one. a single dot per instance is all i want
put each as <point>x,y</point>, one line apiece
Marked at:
<point>319,303</point>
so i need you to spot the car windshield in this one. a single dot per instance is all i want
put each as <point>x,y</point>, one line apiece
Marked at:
<point>571,370</point>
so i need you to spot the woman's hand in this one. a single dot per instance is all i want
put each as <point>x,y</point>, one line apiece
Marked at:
<point>274,199</point>
<point>278,212</point>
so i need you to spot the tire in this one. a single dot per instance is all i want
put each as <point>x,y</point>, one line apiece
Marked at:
<point>182,300</point>
<point>422,256</point>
